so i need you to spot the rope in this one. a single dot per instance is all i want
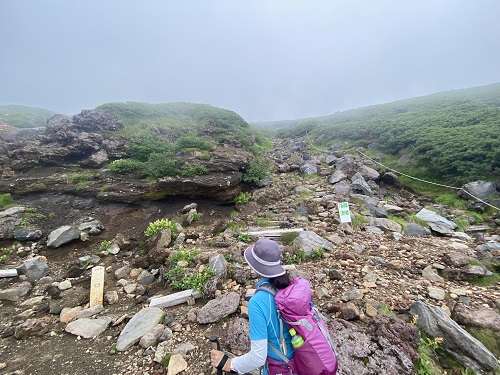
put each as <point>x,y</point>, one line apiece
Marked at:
<point>408,176</point>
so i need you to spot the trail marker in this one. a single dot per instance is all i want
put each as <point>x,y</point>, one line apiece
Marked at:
<point>97,286</point>
<point>344,212</point>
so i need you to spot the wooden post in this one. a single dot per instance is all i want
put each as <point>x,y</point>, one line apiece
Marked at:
<point>97,286</point>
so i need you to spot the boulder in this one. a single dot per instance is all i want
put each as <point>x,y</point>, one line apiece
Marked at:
<point>456,341</point>
<point>436,222</point>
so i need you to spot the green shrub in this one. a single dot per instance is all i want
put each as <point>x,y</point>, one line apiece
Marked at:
<point>105,245</point>
<point>462,224</point>
<point>178,278</point>
<point>166,360</point>
<point>451,200</point>
<point>288,237</point>
<point>190,141</point>
<point>6,250</point>
<point>2,259</point>
<point>258,168</point>
<point>478,218</point>
<point>161,165</point>
<point>126,165</point>
<point>487,280</point>
<point>5,200</point>
<point>193,170</point>
<point>263,222</point>
<point>292,255</point>
<point>79,177</point>
<point>427,365</point>
<point>318,253</point>
<point>245,237</point>
<point>243,198</point>
<point>358,220</point>
<point>160,224</point>
<point>385,310</point>
<point>183,254</point>
<point>141,148</point>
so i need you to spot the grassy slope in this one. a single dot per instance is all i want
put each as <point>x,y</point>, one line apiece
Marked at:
<point>173,120</point>
<point>453,136</point>
<point>25,117</point>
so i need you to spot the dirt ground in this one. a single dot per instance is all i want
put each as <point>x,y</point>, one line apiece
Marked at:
<point>61,353</point>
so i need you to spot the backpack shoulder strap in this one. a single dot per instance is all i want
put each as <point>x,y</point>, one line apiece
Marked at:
<point>267,287</point>
<point>278,352</point>
<point>272,290</point>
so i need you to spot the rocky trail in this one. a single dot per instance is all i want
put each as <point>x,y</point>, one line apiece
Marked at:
<point>369,278</point>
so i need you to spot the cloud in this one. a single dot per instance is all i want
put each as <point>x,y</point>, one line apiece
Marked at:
<point>266,60</point>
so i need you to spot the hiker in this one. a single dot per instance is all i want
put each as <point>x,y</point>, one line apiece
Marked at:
<point>265,259</point>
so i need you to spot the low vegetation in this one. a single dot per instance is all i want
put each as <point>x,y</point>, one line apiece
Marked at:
<point>5,200</point>
<point>452,137</point>
<point>160,224</point>
<point>22,116</point>
<point>243,198</point>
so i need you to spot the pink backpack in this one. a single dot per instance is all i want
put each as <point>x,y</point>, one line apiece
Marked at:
<point>317,355</point>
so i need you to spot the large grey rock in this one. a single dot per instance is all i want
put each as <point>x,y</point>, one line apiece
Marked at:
<point>218,263</point>
<point>369,173</point>
<point>9,219</point>
<point>388,348</point>
<point>337,176</point>
<point>62,235</point>
<point>33,269</point>
<point>93,227</point>
<point>308,241</point>
<point>377,211</point>
<point>330,159</point>
<point>359,183</point>
<point>347,164</point>
<point>457,341</point>
<point>386,225</point>
<point>140,324</point>
<point>88,328</point>
<point>15,292</point>
<point>342,188</point>
<point>479,189</point>
<point>478,317</point>
<point>467,272</point>
<point>26,234</point>
<point>436,222</point>
<point>218,308</point>
<point>415,230</point>
<point>490,246</point>
<point>308,168</point>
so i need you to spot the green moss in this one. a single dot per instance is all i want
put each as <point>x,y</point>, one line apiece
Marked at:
<point>157,194</point>
<point>489,337</point>
<point>487,280</point>
<point>289,237</point>
<point>166,360</point>
<point>398,220</point>
<point>5,200</point>
<point>384,310</point>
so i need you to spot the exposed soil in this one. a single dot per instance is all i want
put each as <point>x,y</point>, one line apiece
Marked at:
<point>59,352</point>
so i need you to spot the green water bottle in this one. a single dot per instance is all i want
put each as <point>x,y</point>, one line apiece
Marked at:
<point>297,340</point>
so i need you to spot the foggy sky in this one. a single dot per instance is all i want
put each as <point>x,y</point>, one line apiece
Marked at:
<point>264,59</point>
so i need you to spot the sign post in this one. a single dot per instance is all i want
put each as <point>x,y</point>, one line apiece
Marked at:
<point>96,286</point>
<point>344,212</point>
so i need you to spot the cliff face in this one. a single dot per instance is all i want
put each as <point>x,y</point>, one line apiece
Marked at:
<point>44,160</point>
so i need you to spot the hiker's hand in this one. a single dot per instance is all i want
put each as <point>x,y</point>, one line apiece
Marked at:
<point>216,356</point>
